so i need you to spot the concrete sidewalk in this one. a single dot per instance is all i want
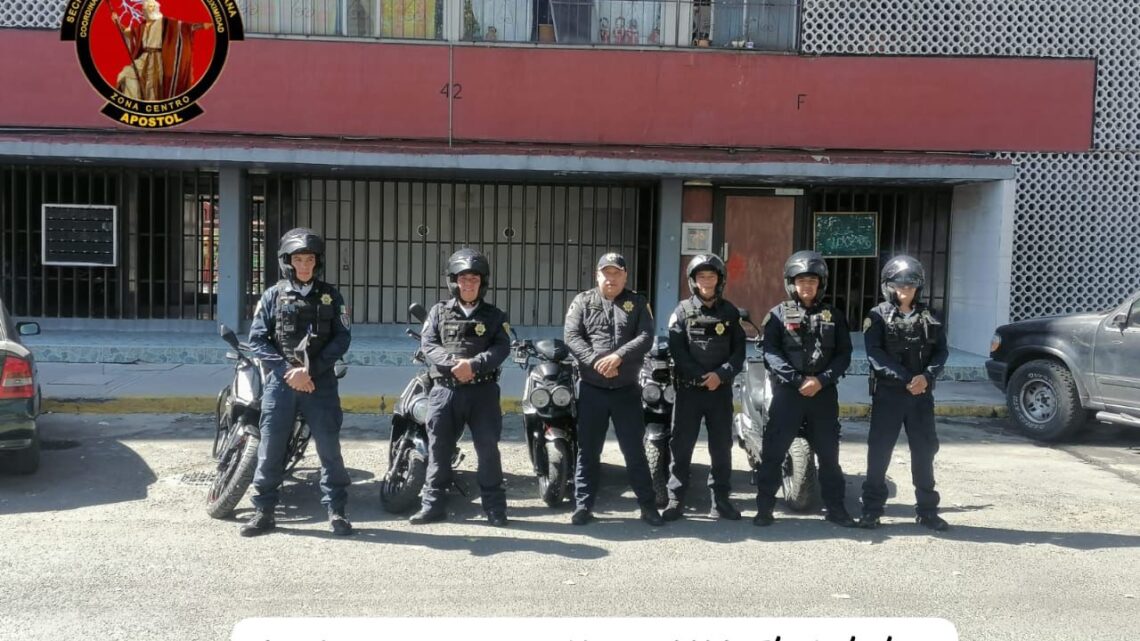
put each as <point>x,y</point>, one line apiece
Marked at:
<point>170,387</point>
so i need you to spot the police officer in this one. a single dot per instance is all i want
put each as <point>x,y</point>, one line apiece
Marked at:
<point>707,344</point>
<point>299,377</point>
<point>609,331</point>
<point>806,348</point>
<point>906,346</point>
<point>465,342</point>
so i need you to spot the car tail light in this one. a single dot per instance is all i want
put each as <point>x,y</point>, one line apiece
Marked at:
<point>16,379</point>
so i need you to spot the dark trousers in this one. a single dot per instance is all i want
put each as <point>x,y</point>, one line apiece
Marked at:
<point>596,406</point>
<point>891,409</point>
<point>321,410</point>
<point>449,409</point>
<point>715,408</point>
<point>819,416</point>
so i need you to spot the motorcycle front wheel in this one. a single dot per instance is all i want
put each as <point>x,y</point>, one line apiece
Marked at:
<point>801,477</point>
<point>657,453</point>
<point>235,474</point>
<point>400,489</point>
<point>553,486</point>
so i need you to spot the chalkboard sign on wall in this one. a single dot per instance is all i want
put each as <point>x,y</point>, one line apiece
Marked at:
<point>79,235</point>
<point>846,234</point>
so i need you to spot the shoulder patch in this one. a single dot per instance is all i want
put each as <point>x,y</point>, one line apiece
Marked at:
<point>672,319</point>
<point>650,310</point>
<point>507,328</point>
<point>767,317</point>
<point>866,324</point>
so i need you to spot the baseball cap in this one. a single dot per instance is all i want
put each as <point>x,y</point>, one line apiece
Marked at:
<point>611,259</point>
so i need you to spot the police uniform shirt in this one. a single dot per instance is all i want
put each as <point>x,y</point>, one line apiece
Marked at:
<point>705,339</point>
<point>900,347</point>
<point>596,328</point>
<point>821,336</point>
<point>450,334</point>
<point>318,306</point>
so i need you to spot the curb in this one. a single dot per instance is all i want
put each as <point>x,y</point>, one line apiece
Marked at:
<point>384,404</point>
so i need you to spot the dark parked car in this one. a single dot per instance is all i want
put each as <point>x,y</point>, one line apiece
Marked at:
<point>1058,371</point>
<point>19,398</point>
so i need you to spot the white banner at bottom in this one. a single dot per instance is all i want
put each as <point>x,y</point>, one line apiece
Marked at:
<point>594,629</point>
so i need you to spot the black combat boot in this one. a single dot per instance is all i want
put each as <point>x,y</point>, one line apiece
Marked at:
<point>339,524</point>
<point>723,508</point>
<point>260,523</point>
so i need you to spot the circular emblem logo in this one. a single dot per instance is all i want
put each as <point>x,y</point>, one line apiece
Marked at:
<point>480,329</point>
<point>152,60</point>
<point>627,306</point>
<point>326,299</point>
<point>719,329</point>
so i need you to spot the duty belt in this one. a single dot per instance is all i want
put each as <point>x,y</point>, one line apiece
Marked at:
<point>451,382</point>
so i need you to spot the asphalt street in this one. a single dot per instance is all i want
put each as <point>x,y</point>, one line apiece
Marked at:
<point>110,540</point>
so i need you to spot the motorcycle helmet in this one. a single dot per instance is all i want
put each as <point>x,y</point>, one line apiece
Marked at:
<point>707,261</point>
<point>805,262</point>
<point>468,260</point>
<point>901,270</point>
<point>301,240</point>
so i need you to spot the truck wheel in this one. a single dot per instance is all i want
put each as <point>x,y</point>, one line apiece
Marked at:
<point>1043,401</point>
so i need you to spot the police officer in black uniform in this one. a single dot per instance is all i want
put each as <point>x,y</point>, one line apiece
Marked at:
<point>300,305</point>
<point>707,345</point>
<point>906,346</point>
<point>465,342</point>
<point>806,348</point>
<point>609,330</point>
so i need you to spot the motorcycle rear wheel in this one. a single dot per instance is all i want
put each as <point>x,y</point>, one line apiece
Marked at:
<point>801,477</point>
<point>235,474</point>
<point>553,486</point>
<point>657,453</point>
<point>400,489</point>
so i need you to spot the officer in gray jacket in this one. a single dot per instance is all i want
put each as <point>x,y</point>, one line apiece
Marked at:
<point>609,331</point>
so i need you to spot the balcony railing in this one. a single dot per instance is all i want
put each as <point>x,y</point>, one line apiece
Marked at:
<point>769,25</point>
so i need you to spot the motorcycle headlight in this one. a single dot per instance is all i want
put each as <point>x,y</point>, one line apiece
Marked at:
<point>651,393</point>
<point>420,410</point>
<point>540,397</point>
<point>562,396</point>
<point>995,343</point>
<point>670,394</point>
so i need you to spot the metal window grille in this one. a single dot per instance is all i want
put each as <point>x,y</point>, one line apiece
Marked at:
<point>387,241</point>
<point>167,229</point>
<point>911,221</point>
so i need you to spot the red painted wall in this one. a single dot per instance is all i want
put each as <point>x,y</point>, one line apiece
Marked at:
<point>731,99</point>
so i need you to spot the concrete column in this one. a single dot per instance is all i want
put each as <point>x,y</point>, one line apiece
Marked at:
<point>981,262</point>
<point>233,246</point>
<point>668,253</point>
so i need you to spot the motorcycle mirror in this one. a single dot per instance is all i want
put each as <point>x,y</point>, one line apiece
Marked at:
<point>418,312</point>
<point>228,336</point>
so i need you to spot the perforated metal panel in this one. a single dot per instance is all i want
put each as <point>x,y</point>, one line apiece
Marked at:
<point>1078,215</point>
<point>38,14</point>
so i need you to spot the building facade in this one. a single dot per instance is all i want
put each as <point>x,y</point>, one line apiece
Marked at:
<point>996,141</point>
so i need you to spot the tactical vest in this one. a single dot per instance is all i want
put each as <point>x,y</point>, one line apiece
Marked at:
<point>461,336</point>
<point>296,315</point>
<point>809,339</point>
<point>911,340</point>
<point>710,339</point>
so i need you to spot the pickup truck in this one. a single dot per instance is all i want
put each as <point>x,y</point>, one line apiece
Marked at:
<point>1058,372</point>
